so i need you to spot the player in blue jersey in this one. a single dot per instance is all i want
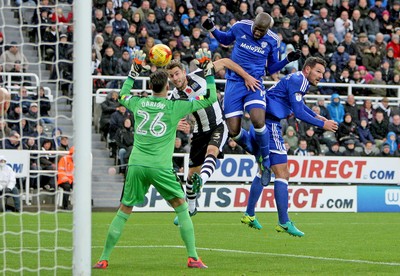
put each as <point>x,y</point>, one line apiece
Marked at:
<point>283,99</point>
<point>255,47</point>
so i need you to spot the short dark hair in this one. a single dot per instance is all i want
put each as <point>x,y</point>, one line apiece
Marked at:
<point>158,80</point>
<point>174,63</point>
<point>312,61</point>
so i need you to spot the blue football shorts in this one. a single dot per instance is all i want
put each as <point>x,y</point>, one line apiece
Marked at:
<point>238,98</point>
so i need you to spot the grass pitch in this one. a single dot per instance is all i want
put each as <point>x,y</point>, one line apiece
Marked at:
<point>334,244</point>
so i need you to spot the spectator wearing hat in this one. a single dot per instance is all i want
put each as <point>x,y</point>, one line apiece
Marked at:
<point>362,6</point>
<point>325,22</point>
<point>384,106</point>
<point>184,24</point>
<point>223,17</point>
<point>394,11</point>
<point>291,137</point>
<point>350,146</point>
<point>362,43</point>
<point>334,150</point>
<point>371,25</point>
<point>33,115</point>
<point>120,25</point>
<point>387,26</point>
<point>336,109</point>
<point>391,139</point>
<point>358,23</point>
<point>8,185</point>
<point>342,25</point>
<point>187,51</point>
<point>168,26</point>
<point>365,74</point>
<point>364,132</point>
<point>385,151</point>
<point>292,15</point>
<point>286,31</point>
<point>378,7</point>
<point>395,45</point>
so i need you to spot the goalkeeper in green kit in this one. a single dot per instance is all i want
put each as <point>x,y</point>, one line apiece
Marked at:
<point>150,162</point>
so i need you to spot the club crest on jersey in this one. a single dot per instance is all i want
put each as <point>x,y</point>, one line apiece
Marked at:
<point>194,85</point>
<point>299,97</point>
<point>264,44</point>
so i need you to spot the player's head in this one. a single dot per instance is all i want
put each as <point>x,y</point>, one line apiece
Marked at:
<point>159,81</point>
<point>314,69</point>
<point>262,23</point>
<point>5,98</point>
<point>177,74</point>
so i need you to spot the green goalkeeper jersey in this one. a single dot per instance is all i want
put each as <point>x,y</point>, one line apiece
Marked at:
<point>156,121</point>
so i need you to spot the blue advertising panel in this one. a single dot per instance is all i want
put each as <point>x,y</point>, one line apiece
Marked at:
<point>378,199</point>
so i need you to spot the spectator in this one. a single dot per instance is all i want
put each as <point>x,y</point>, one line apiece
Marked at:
<point>162,9</point>
<point>223,17</point>
<point>391,139</point>
<point>99,20</point>
<point>153,29</point>
<point>362,44</point>
<point>350,148</point>
<point>362,6</point>
<point>364,132</point>
<point>379,128</point>
<point>289,151</point>
<point>108,107</point>
<point>10,56</point>
<point>65,176</point>
<point>322,108</point>
<point>7,185</point>
<point>292,15</point>
<point>286,31</point>
<point>109,64</point>
<point>351,107</point>
<point>144,10</point>
<point>178,163</point>
<point>32,115</point>
<point>378,8</point>
<point>386,26</point>
<point>291,137</point>
<point>313,145</point>
<point>387,72</point>
<point>109,10</point>
<point>395,45</point>
<point>325,22</point>
<point>321,53</point>
<point>344,78</point>
<point>394,11</point>
<point>64,143</point>
<point>340,57</point>
<point>167,27</point>
<point>385,152</point>
<point>380,44</point>
<point>47,163</point>
<point>371,25</point>
<point>124,63</point>
<point>334,150</point>
<point>117,119</point>
<point>371,59</point>
<point>131,33</point>
<point>395,81</point>
<point>350,46</point>
<point>117,46</point>
<point>231,147</point>
<point>357,79</point>
<point>343,25</point>
<point>302,148</point>
<point>367,111</point>
<point>243,12</point>
<point>368,150</point>
<point>347,130</point>
<point>331,7</point>
<point>108,37</point>
<point>13,141</point>
<point>328,78</point>
<point>126,10</point>
<point>381,91</point>
<point>44,106</point>
<point>124,140</point>
<point>336,109</point>
<point>358,23</point>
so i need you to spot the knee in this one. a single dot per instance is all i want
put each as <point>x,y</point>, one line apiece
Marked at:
<point>258,122</point>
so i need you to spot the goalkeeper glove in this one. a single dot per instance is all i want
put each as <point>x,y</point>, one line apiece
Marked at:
<point>208,24</point>
<point>137,64</point>
<point>293,55</point>
<point>203,61</point>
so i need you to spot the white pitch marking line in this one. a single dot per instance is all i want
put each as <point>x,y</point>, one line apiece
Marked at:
<point>263,253</point>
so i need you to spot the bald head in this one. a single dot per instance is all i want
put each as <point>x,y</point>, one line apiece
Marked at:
<point>262,23</point>
<point>5,98</point>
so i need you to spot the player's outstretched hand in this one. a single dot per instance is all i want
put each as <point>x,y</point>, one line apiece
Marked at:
<point>252,83</point>
<point>294,55</point>
<point>138,64</point>
<point>322,118</point>
<point>330,125</point>
<point>208,24</point>
<point>203,61</point>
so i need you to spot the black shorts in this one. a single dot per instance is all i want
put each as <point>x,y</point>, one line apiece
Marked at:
<point>200,141</point>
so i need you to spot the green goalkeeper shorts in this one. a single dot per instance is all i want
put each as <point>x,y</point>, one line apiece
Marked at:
<point>139,179</point>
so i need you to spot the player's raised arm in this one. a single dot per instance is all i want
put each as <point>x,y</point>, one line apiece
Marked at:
<point>137,67</point>
<point>250,82</point>
<point>225,38</point>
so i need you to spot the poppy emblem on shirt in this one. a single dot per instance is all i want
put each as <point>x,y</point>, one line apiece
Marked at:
<point>188,90</point>
<point>299,97</point>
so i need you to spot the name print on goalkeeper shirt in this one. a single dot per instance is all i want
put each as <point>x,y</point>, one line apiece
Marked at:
<point>153,104</point>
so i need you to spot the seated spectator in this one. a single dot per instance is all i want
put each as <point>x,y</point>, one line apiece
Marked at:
<point>336,109</point>
<point>99,20</point>
<point>10,56</point>
<point>334,150</point>
<point>8,186</point>
<point>368,150</point>
<point>30,144</point>
<point>381,91</point>
<point>178,162</point>
<point>365,74</point>
<point>343,25</point>
<point>328,78</point>
<point>391,139</point>
<point>124,140</point>
<point>357,79</point>
<point>340,57</point>
<point>313,145</point>
<point>13,141</point>
<point>380,44</point>
<point>124,63</point>
<point>323,111</point>
<point>350,148</point>
<point>358,23</point>
<point>367,111</point>
<point>109,63</point>
<point>394,126</point>
<point>364,132</point>
<point>387,72</point>
<point>65,176</point>
<point>371,59</point>
<point>291,137</point>
<point>396,81</point>
<point>345,79</point>
<point>64,143</point>
<point>23,128</point>
<point>289,151</point>
<point>379,128</point>
<point>22,99</point>
<point>168,25</point>
<point>351,107</point>
<point>302,148</point>
<point>395,45</point>
<point>47,163</point>
<point>371,25</point>
<point>120,25</point>
<point>33,116</point>
<point>44,106</point>
<point>347,130</point>
<point>385,152</point>
<point>231,147</point>
<point>331,44</point>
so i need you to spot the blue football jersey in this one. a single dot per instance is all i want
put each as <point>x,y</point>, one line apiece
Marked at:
<point>251,54</point>
<point>284,94</point>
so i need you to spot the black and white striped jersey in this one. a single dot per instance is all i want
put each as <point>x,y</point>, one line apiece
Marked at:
<point>207,118</point>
